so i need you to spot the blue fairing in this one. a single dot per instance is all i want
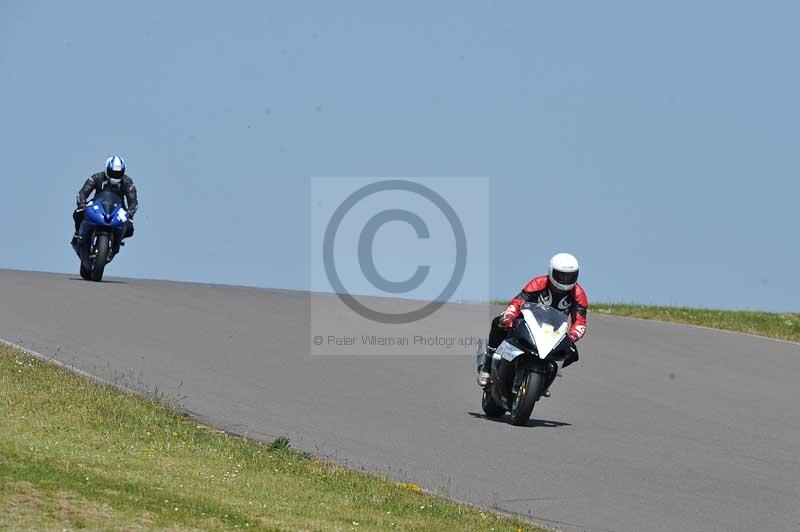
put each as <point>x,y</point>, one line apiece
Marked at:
<point>97,215</point>
<point>104,214</point>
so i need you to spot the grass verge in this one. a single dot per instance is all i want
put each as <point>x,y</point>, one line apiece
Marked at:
<point>783,326</point>
<point>75,455</point>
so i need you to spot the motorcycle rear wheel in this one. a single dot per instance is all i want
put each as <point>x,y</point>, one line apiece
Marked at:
<point>85,274</point>
<point>103,248</point>
<point>529,392</point>
<point>490,406</point>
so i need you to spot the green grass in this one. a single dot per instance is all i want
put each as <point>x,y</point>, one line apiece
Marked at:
<point>75,455</point>
<point>784,326</point>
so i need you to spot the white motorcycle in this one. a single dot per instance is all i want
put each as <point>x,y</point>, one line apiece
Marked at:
<point>526,363</point>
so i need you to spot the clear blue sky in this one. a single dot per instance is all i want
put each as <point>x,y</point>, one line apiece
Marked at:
<point>662,136</point>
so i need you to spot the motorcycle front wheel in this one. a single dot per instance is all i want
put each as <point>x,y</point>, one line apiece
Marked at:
<point>529,392</point>
<point>102,249</point>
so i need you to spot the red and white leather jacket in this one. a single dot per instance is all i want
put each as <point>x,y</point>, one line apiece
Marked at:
<point>573,303</point>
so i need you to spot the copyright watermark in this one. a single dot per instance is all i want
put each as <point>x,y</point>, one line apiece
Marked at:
<point>398,253</point>
<point>374,340</point>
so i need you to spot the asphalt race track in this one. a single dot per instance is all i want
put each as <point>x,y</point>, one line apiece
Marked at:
<point>659,427</point>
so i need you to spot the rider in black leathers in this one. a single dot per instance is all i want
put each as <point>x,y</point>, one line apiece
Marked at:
<point>114,178</point>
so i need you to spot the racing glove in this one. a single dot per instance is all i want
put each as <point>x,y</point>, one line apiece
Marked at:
<point>509,315</point>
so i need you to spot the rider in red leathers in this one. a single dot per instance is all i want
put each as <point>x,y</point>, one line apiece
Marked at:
<point>560,290</point>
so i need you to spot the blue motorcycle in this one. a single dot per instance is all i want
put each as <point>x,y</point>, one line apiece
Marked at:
<point>100,236</point>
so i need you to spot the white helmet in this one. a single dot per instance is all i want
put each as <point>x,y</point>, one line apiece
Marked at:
<point>564,271</point>
<point>115,169</point>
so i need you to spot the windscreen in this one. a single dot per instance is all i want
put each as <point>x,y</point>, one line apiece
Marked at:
<point>547,326</point>
<point>546,315</point>
<point>108,200</point>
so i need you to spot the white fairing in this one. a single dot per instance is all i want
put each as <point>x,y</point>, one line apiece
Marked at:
<point>507,352</point>
<point>122,215</point>
<point>546,335</point>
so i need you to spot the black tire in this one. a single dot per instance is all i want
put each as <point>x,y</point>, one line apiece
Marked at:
<point>529,392</point>
<point>102,248</point>
<point>85,274</point>
<point>490,406</point>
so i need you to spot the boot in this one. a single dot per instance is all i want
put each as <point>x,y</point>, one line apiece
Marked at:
<point>484,373</point>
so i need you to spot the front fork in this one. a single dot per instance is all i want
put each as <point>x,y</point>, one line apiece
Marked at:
<point>549,375</point>
<point>518,376</point>
<point>85,246</point>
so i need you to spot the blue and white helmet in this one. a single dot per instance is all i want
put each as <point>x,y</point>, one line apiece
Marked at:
<point>115,169</point>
